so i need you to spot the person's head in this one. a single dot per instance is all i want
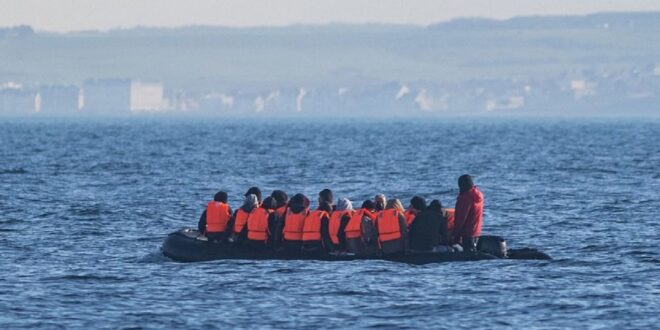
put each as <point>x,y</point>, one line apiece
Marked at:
<point>220,196</point>
<point>344,204</point>
<point>394,204</point>
<point>379,201</point>
<point>325,195</point>
<point>255,191</point>
<point>465,183</point>
<point>268,203</point>
<point>249,202</point>
<point>418,203</point>
<point>369,205</point>
<point>280,197</point>
<point>325,206</point>
<point>435,206</point>
<point>298,203</point>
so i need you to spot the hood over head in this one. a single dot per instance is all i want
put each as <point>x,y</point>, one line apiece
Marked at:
<point>280,197</point>
<point>298,203</point>
<point>344,204</point>
<point>435,206</point>
<point>418,203</point>
<point>465,183</point>
<point>249,202</point>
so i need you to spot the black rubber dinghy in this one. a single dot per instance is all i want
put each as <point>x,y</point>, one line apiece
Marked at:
<point>189,245</point>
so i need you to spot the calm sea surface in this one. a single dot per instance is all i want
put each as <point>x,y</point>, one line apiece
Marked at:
<point>85,205</point>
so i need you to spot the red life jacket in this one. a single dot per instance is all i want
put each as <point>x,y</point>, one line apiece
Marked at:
<point>257,224</point>
<point>335,223</point>
<point>293,225</point>
<point>240,220</point>
<point>409,215</point>
<point>354,226</point>
<point>312,225</point>
<point>387,224</point>
<point>217,216</point>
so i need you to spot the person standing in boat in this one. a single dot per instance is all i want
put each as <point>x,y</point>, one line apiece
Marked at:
<point>468,217</point>
<point>315,237</point>
<point>338,220</point>
<point>238,222</point>
<point>260,224</point>
<point>428,233</point>
<point>361,235</point>
<point>417,204</point>
<point>294,220</point>
<point>214,220</point>
<point>392,230</point>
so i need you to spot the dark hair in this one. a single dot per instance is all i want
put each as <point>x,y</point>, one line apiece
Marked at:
<point>435,206</point>
<point>465,183</point>
<point>280,197</point>
<point>368,204</point>
<point>255,191</point>
<point>325,206</point>
<point>418,203</point>
<point>220,196</point>
<point>326,195</point>
<point>268,203</point>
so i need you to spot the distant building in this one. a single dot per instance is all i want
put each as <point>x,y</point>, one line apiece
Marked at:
<point>107,96</point>
<point>60,100</point>
<point>147,96</point>
<point>656,70</point>
<point>16,100</point>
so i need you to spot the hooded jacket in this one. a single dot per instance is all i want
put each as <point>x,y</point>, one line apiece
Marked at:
<point>469,213</point>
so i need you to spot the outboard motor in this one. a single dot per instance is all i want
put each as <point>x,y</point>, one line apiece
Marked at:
<point>494,245</point>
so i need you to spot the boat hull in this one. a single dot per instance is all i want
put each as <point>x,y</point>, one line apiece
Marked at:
<point>189,246</point>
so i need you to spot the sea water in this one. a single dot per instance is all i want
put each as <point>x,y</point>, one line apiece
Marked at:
<point>85,205</point>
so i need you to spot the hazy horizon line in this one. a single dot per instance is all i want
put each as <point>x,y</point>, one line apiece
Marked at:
<point>324,24</point>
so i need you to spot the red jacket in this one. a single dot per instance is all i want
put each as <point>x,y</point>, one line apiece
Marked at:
<point>469,213</point>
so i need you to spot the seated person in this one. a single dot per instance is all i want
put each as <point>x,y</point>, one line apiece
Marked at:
<point>392,231</point>
<point>429,229</point>
<point>360,233</point>
<point>214,220</point>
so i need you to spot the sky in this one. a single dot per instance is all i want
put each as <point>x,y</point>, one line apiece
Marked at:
<point>75,15</point>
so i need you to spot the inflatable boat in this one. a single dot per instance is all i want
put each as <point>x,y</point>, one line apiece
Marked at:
<point>188,245</point>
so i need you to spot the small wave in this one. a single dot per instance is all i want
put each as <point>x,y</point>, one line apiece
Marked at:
<point>154,258</point>
<point>87,277</point>
<point>346,293</point>
<point>15,170</point>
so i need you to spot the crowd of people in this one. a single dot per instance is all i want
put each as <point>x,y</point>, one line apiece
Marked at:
<point>378,226</point>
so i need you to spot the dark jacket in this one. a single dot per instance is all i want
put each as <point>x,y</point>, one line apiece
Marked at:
<point>428,230</point>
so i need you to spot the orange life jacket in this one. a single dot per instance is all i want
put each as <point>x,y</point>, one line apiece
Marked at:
<point>240,220</point>
<point>293,225</point>
<point>257,224</point>
<point>217,216</point>
<point>387,224</point>
<point>335,223</point>
<point>409,215</point>
<point>449,214</point>
<point>312,225</point>
<point>354,226</point>
<point>280,211</point>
